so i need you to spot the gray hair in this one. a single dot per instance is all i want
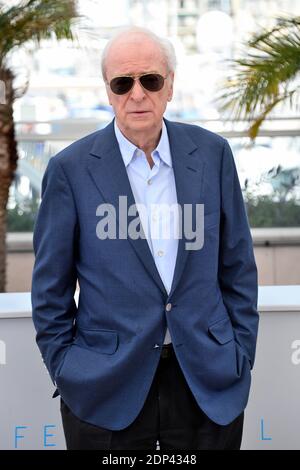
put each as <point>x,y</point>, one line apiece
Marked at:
<point>164,43</point>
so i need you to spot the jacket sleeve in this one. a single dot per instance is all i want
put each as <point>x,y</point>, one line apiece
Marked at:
<point>237,268</point>
<point>54,273</point>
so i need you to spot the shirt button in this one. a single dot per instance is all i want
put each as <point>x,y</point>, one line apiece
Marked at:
<point>168,307</point>
<point>149,182</point>
<point>160,253</point>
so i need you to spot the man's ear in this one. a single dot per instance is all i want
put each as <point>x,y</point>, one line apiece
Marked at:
<point>108,93</point>
<point>170,95</point>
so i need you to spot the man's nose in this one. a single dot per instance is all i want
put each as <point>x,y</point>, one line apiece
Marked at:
<point>137,91</point>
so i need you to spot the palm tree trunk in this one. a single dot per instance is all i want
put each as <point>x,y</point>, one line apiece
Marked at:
<point>8,163</point>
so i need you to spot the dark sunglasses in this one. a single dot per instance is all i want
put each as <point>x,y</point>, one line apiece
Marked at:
<point>149,81</point>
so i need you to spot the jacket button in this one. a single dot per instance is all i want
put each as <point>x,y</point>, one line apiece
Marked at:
<point>168,307</point>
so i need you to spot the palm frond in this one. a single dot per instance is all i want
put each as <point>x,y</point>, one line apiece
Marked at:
<point>34,20</point>
<point>262,79</point>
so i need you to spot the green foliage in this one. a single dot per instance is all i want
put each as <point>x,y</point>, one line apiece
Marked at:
<point>264,77</point>
<point>22,217</point>
<point>34,20</point>
<point>281,208</point>
<point>263,211</point>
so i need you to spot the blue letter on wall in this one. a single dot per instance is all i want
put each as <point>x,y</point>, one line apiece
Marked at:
<point>48,435</point>
<point>18,436</point>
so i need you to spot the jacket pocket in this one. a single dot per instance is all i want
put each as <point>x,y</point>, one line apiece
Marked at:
<point>101,341</point>
<point>222,330</point>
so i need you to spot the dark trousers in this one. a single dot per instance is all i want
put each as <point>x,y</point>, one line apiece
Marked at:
<point>170,416</point>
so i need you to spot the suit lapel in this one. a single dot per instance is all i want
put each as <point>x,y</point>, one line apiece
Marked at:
<point>188,173</point>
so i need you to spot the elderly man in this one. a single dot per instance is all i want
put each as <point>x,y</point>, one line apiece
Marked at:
<point>162,341</point>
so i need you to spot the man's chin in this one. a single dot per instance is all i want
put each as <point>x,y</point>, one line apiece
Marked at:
<point>140,124</point>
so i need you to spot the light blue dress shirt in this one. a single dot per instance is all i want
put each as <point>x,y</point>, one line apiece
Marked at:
<point>155,190</point>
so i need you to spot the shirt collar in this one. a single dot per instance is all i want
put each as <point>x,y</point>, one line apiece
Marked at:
<point>128,149</point>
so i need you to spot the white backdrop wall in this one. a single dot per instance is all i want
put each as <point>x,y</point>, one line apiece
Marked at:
<point>30,418</point>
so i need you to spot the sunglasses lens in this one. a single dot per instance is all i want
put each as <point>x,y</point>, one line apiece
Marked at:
<point>121,85</point>
<point>152,81</point>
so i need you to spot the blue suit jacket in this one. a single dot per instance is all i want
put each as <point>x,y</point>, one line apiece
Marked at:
<point>102,356</point>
